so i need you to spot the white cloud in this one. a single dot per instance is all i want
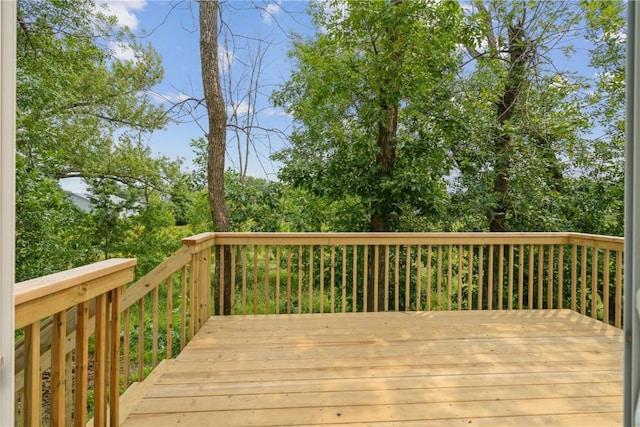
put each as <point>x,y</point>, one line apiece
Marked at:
<point>270,11</point>
<point>241,109</point>
<point>171,97</point>
<point>225,59</point>
<point>123,10</point>
<point>277,113</point>
<point>122,51</point>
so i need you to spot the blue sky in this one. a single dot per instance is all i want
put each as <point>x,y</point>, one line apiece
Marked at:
<point>172,28</point>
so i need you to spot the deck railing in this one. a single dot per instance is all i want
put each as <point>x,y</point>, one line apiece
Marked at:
<point>329,272</point>
<point>58,380</point>
<point>295,273</point>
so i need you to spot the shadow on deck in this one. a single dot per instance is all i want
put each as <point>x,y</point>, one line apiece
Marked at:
<point>541,367</point>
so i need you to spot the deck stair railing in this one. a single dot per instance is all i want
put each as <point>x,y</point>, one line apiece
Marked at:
<point>122,334</point>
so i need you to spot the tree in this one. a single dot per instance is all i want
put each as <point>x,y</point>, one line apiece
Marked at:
<point>216,148</point>
<point>522,117</point>
<point>82,111</point>
<point>74,94</point>
<point>370,101</point>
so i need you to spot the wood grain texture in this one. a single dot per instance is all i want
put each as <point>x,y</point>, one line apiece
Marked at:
<point>534,367</point>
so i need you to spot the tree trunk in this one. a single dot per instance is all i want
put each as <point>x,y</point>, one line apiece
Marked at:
<point>382,208</point>
<point>505,110</point>
<point>216,147</point>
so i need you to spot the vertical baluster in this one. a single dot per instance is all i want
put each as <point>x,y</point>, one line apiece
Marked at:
<point>574,276</point>
<point>594,282</point>
<point>365,279</point>
<point>397,279</point>
<point>58,377</point>
<point>480,276</point>
<point>169,314</point>
<point>154,328</point>
<point>194,272</point>
<point>419,279</point>
<point>267,261</point>
<point>332,284</point>
<point>344,278</point>
<point>490,261</point>
<point>550,277</point>
<point>244,276</point>
<point>278,279</point>
<point>310,278</point>
<point>114,373</point>
<point>540,276</point>
<point>520,277</point>
<point>68,389</point>
<point>141,339</point>
<point>32,402</point>
<point>255,278</point>
<point>429,284</point>
<point>376,278</point>
<point>183,307</point>
<point>530,282</point>
<point>125,348</point>
<point>470,278</point>
<point>449,276</point>
<point>510,277</point>
<point>407,281</point>
<point>439,279</point>
<point>300,275</point>
<point>322,278</point>
<point>99,366</point>
<point>289,256</point>
<point>233,250</point>
<point>605,287</point>
<point>459,293</point>
<point>560,277</point>
<point>500,285</point>
<point>82,366</point>
<point>387,252</point>
<point>354,284</point>
<point>583,284</point>
<point>618,314</point>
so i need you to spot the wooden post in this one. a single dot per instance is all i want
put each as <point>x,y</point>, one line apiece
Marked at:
<point>58,373</point>
<point>32,401</point>
<point>114,374</point>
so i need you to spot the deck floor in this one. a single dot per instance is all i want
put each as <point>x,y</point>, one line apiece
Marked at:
<point>521,368</point>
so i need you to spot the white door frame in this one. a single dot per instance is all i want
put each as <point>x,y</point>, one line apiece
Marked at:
<point>7,206</point>
<point>632,222</point>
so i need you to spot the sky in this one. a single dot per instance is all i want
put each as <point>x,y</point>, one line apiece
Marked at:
<point>172,28</point>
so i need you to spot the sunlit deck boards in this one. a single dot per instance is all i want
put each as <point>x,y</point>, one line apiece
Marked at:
<point>518,368</point>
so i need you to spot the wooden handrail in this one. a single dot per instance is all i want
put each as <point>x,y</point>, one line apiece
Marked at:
<point>518,270</point>
<point>304,272</point>
<point>57,295</point>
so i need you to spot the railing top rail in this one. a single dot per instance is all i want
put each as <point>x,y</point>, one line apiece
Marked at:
<point>39,287</point>
<point>597,240</point>
<point>392,238</point>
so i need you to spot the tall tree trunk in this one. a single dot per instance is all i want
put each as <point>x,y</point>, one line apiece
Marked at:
<point>505,110</point>
<point>382,208</point>
<point>216,147</point>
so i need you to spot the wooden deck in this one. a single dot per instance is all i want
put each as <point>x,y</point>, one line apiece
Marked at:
<point>522,368</point>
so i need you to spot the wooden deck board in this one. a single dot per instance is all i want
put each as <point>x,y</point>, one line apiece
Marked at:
<point>552,367</point>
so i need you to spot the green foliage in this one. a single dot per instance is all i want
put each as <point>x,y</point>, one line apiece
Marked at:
<point>51,232</point>
<point>83,112</point>
<point>378,56</point>
<point>537,142</point>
